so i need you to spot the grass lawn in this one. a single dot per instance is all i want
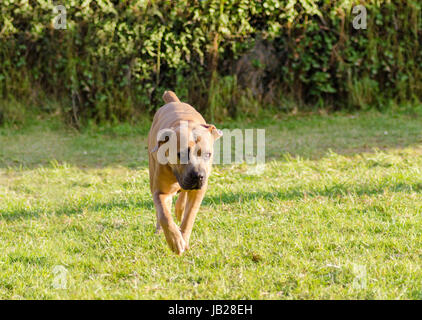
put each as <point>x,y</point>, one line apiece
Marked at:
<point>335,214</point>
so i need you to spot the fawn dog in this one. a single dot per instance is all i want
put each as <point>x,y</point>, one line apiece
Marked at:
<point>180,147</point>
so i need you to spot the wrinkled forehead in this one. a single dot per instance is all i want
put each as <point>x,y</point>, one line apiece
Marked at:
<point>194,135</point>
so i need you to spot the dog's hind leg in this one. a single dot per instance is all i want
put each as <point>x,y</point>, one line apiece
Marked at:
<point>158,228</point>
<point>181,204</point>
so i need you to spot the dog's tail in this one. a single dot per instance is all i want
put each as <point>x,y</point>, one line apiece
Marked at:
<point>170,96</point>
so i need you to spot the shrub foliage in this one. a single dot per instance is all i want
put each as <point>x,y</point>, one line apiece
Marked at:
<point>115,58</point>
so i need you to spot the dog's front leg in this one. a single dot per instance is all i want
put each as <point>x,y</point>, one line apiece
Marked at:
<point>158,228</point>
<point>181,205</point>
<point>171,231</point>
<point>194,199</point>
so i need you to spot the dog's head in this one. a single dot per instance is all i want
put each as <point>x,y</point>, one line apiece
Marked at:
<point>188,149</point>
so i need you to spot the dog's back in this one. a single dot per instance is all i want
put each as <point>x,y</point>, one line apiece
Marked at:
<point>173,112</point>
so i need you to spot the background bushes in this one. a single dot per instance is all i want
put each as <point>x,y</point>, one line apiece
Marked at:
<point>226,57</point>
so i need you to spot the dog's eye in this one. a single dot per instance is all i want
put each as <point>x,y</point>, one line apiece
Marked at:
<point>207,155</point>
<point>185,155</point>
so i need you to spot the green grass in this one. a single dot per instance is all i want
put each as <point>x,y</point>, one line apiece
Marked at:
<point>335,214</point>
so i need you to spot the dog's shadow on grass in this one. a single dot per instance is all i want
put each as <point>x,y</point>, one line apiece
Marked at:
<point>68,209</point>
<point>333,191</point>
<point>293,194</point>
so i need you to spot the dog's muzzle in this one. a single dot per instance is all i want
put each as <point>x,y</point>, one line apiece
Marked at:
<point>193,181</point>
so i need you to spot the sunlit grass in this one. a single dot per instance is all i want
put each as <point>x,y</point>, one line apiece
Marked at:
<point>335,214</point>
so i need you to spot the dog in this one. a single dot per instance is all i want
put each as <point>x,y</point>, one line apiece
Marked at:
<point>181,149</point>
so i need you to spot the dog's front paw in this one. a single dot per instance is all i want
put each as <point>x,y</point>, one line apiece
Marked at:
<point>186,238</point>
<point>175,241</point>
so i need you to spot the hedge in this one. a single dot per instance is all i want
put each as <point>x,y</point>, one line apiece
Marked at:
<point>115,58</point>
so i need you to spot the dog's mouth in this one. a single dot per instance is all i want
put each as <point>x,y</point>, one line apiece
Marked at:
<point>189,184</point>
<point>195,186</point>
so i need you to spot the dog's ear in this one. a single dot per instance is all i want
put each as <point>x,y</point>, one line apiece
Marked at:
<point>213,130</point>
<point>162,137</point>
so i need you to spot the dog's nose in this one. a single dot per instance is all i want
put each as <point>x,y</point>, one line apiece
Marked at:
<point>197,175</point>
<point>198,178</point>
<point>194,180</point>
